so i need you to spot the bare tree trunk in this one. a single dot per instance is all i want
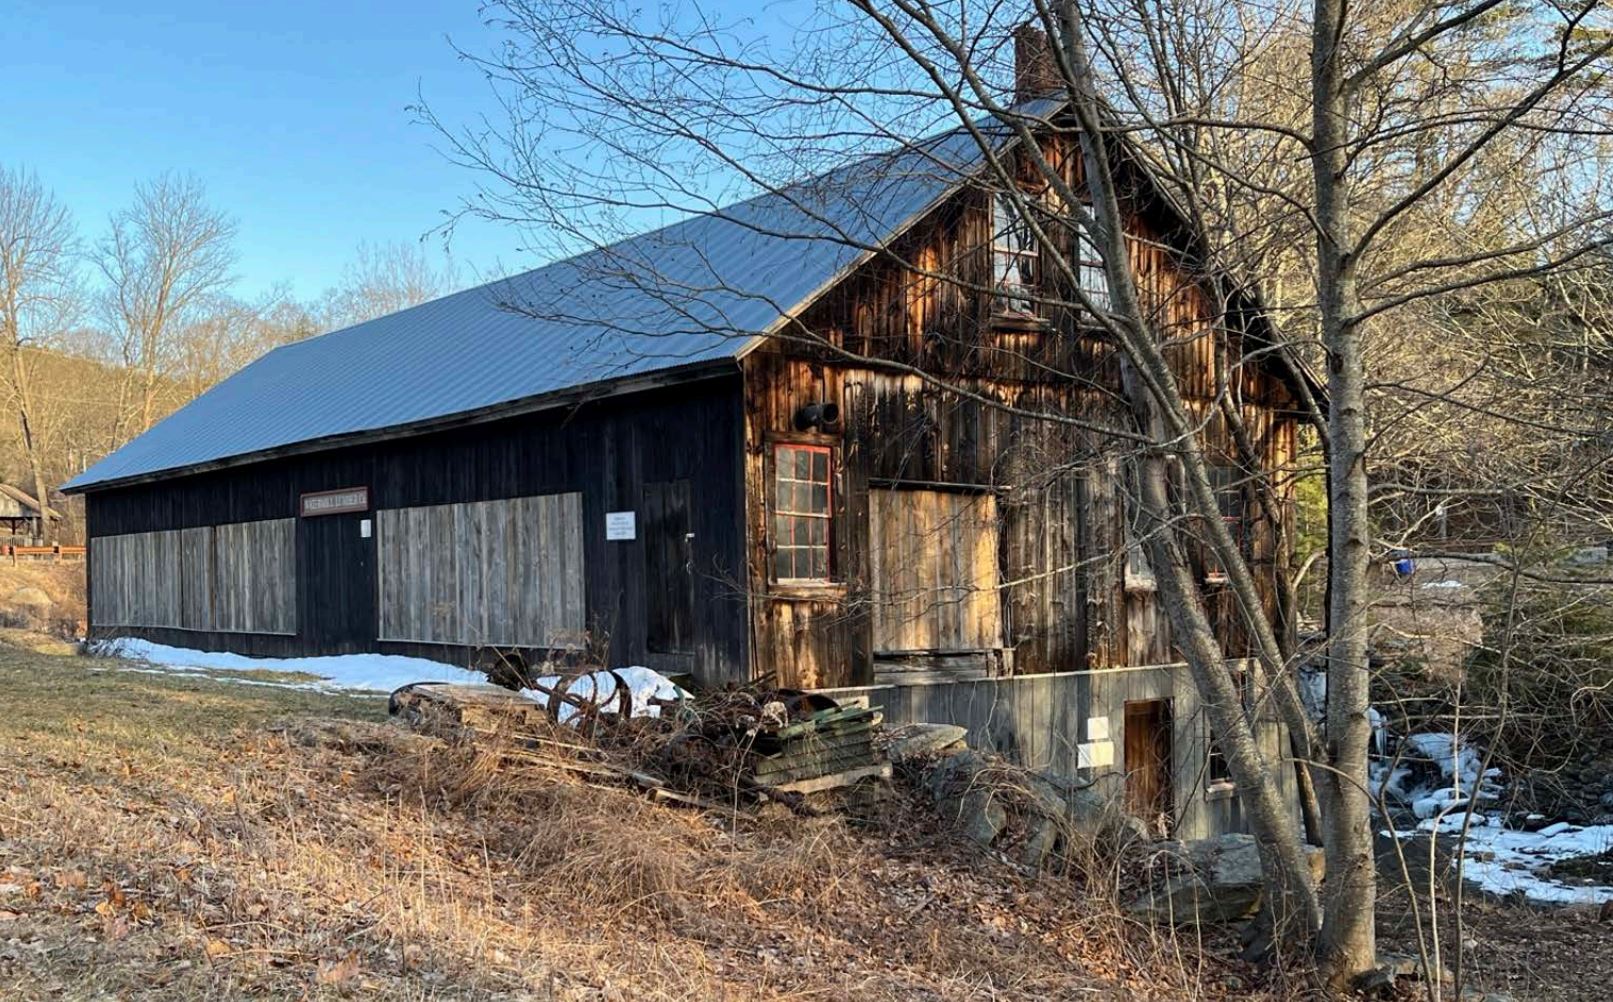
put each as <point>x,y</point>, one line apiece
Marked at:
<point>1281,854</point>
<point>21,381</point>
<point>1347,947</point>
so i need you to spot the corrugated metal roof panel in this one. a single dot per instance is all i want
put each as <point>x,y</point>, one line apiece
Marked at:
<point>695,291</point>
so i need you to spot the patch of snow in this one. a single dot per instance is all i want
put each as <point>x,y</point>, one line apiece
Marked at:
<point>1461,764</point>
<point>1441,584</point>
<point>1504,861</point>
<point>1380,731</point>
<point>362,672</point>
<point>600,689</point>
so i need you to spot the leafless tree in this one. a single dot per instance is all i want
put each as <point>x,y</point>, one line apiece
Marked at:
<point>167,256</point>
<point>39,298</point>
<point>385,278</point>
<point>1354,164</point>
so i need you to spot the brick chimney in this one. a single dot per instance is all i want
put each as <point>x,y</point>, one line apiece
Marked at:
<point>1036,72</point>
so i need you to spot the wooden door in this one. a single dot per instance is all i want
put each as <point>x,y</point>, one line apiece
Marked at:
<point>668,568</point>
<point>1148,760</point>
<point>933,571</point>
<point>336,583</point>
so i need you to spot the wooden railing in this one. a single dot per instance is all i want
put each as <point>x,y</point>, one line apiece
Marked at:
<point>51,553</point>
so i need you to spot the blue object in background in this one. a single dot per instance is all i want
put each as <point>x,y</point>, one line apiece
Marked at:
<point>1403,564</point>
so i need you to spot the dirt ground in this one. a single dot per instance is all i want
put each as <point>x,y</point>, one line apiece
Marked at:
<point>1499,946</point>
<point>169,837</point>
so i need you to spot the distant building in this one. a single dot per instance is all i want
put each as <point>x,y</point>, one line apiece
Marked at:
<point>23,517</point>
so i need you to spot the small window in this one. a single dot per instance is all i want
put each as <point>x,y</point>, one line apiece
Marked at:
<point>1016,261</point>
<point>1217,773</point>
<point>803,501</point>
<point>1089,266</point>
<point>1227,482</point>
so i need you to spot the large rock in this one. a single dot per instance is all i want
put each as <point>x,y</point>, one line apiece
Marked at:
<point>1210,880</point>
<point>1035,818</point>
<point>917,742</point>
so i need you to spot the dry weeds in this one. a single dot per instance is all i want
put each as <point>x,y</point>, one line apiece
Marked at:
<point>176,838</point>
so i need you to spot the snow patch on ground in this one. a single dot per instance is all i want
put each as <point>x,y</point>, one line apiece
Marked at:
<point>1504,861</point>
<point>1441,779</point>
<point>1431,774</point>
<point>386,672</point>
<point>601,689</point>
<point>342,672</point>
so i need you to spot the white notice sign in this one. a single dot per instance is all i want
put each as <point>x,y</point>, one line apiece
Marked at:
<point>1095,755</point>
<point>620,525</point>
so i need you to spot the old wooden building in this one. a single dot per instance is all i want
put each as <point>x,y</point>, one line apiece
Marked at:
<point>815,435</point>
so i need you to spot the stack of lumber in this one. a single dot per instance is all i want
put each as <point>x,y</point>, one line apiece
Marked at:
<point>828,748</point>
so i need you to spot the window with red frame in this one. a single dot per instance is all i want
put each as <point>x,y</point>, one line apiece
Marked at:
<point>803,502</point>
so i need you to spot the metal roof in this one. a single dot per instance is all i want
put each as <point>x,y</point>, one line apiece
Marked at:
<point>696,291</point>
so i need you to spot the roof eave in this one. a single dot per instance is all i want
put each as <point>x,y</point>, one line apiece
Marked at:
<point>569,397</point>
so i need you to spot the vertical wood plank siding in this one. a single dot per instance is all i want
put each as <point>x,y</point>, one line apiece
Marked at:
<point>933,571</point>
<point>239,577</point>
<point>1064,507</point>
<point>606,450</point>
<point>484,573</point>
<point>1041,722</point>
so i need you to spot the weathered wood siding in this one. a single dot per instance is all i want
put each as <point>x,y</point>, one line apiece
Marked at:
<point>238,576</point>
<point>607,450</point>
<point>255,574</point>
<point>1072,724</point>
<point>933,571</point>
<point>937,392</point>
<point>484,573</point>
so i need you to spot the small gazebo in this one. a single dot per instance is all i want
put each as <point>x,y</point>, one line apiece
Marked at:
<point>23,516</point>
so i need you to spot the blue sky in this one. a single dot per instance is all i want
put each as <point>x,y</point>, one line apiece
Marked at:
<point>293,113</point>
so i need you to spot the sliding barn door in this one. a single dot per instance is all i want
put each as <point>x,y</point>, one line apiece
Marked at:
<point>933,572</point>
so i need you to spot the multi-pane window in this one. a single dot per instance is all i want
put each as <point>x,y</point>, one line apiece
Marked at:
<point>1089,266</point>
<point>1227,481</point>
<point>1014,257</point>
<point>1217,771</point>
<point>1228,484</point>
<point>802,505</point>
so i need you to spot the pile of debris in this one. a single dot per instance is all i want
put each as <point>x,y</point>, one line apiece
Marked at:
<point>832,747</point>
<point>762,740</point>
<point>759,742</point>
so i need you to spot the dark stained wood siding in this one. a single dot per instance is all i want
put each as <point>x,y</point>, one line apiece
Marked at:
<point>607,450</point>
<point>668,566</point>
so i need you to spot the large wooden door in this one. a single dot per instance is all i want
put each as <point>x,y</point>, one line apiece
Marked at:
<point>1148,760</point>
<point>336,594</point>
<point>933,571</point>
<point>668,568</point>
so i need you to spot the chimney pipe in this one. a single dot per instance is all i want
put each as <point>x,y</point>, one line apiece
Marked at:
<point>1035,70</point>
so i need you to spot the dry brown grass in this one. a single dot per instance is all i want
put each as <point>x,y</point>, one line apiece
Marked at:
<point>62,583</point>
<point>175,838</point>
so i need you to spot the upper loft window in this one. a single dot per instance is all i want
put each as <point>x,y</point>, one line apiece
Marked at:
<point>1227,482</point>
<point>1089,265</point>
<point>803,504</point>
<point>1015,260</point>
